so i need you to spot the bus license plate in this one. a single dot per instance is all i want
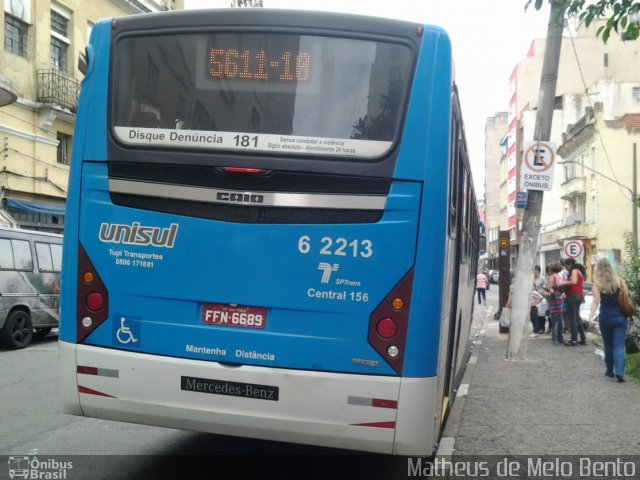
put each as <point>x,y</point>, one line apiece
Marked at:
<point>234,315</point>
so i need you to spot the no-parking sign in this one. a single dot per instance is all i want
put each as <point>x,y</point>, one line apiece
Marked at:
<point>537,165</point>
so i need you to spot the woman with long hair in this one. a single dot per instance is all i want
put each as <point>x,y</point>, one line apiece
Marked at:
<point>555,302</point>
<point>613,324</point>
<point>574,296</point>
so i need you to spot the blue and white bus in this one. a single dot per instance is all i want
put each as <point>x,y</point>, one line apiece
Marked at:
<point>271,230</point>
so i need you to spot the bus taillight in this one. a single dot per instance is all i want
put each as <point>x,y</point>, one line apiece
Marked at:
<point>388,323</point>
<point>92,300</point>
<point>387,328</point>
<point>95,301</point>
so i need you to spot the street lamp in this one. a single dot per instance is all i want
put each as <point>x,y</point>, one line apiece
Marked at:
<point>633,191</point>
<point>7,92</point>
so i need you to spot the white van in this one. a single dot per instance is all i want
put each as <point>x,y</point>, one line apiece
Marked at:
<point>30,264</point>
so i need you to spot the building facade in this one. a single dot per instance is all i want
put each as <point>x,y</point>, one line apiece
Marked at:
<point>42,43</point>
<point>589,71</point>
<point>599,207</point>
<point>494,187</point>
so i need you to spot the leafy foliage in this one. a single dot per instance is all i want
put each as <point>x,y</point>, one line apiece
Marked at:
<point>631,268</point>
<point>623,16</point>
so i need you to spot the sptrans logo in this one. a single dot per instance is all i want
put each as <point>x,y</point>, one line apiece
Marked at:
<point>136,234</point>
<point>33,468</point>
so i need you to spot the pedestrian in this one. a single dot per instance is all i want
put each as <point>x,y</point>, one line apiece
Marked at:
<point>481,287</point>
<point>538,284</point>
<point>556,303</point>
<point>613,325</point>
<point>574,296</point>
<point>543,314</point>
<point>534,300</point>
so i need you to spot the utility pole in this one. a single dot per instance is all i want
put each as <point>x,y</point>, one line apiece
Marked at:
<point>634,200</point>
<point>516,346</point>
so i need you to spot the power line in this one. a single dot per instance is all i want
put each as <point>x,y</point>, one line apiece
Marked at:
<point>7,149</point>
<point>25,121</point>
<point>595,123</point>
<point>29,177</point>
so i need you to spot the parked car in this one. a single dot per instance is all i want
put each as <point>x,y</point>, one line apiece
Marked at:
<point>585,310</point>
<point>30,265</point>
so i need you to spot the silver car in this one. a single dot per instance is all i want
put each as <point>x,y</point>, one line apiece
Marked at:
<point>30,265</point>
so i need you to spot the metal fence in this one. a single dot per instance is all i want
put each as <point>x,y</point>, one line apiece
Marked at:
<point>57,87</point>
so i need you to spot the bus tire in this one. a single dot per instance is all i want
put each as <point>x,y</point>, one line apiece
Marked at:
<point>18,330</point>
<point>42,332</point>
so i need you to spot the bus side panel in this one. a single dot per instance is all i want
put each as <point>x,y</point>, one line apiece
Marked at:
<point>427,136</point>
<point>416,422</point>
<point>68,396</point>
<point>92,117</point>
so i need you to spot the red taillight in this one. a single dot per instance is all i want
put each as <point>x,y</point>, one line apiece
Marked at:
<point>389,322</point>
<point>387,328</point>
<point>87,370</point>
<point>95,301</point>
<point>253,171</point>
<point>92,301</point>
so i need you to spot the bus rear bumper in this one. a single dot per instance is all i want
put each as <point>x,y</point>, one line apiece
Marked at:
<point>357,412</point>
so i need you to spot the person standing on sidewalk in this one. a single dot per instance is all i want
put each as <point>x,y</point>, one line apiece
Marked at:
<point>613,325</point>
<point>538,285</point>
<point>481,287</point>
<point>574,296</point>
<point>556,303</point>
<point>534,301</point>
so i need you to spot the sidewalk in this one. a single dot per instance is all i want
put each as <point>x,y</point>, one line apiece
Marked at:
<point>556,402</point>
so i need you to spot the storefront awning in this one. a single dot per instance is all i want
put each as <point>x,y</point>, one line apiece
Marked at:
<point>39,207</point>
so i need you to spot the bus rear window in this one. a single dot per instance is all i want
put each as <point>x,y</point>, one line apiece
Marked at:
<point>262,92</point>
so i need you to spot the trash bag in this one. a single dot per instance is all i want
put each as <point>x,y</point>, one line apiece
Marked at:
<point>505,317</point>
<point>632,340</point>
<point>543,308</point>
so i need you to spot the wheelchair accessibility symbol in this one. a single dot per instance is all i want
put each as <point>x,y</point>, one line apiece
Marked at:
<point>124,333</point>
<point>127,331</point>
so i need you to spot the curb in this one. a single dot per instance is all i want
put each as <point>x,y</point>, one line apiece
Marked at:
<point>446,445</point>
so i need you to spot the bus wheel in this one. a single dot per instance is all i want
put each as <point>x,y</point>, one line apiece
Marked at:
<point>18,330</point>
<point>42,332</point>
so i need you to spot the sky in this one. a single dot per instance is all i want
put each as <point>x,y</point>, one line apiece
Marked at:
<point>489,38</point>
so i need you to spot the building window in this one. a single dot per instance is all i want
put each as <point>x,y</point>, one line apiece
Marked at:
<point>59,23</point>
<point>58,54</point>
<point>15,36</point>
<point>635,94</point>
<point>59,39</point>
<point>606,59</point>
<point>64,149</point>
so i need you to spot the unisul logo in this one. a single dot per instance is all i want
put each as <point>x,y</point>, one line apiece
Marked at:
<point>33,468</point>
<point>136,234</point>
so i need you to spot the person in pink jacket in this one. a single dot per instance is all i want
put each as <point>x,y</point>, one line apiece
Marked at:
<point>481,288</point>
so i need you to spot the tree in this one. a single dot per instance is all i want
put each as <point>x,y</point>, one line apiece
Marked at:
<point>630,269</point>
<point>623,16</point>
